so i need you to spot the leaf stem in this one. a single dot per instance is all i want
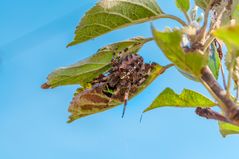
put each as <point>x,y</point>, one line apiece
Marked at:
<point>223,78</point>
<point>179,20</point>
<point>169,65</point>
<point>149,39</point>
<point>208,43</point>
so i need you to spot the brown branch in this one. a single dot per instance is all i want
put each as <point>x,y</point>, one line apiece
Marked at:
<point>210,114</point>
<point>230,108</point>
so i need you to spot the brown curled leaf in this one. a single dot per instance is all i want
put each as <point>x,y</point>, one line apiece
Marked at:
<point>94,100</point>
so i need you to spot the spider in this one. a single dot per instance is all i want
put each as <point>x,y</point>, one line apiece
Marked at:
<point>123,79</point>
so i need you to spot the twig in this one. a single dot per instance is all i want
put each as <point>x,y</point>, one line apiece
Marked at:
<point>208,43</point>
<point>210,114</point>
<point>187,17</point>
<point>229,79</point>
<point>206,16</point>
<point>217,20</point>
<point>223,78</point>
<point>228,106</point>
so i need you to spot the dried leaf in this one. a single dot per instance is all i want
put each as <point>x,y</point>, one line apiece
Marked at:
<point>92,101</point>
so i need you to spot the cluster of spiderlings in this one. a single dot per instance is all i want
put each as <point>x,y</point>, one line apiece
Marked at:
<point>125,76</point>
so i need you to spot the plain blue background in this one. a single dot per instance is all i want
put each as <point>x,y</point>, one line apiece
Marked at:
<point>33,37</point>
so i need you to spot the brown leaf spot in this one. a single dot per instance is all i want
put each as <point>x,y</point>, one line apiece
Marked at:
<point>45,86</point>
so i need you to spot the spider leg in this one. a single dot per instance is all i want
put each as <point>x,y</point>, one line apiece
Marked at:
<point>126,97</point>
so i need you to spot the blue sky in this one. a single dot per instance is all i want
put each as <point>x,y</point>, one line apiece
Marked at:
<point>33,121</point>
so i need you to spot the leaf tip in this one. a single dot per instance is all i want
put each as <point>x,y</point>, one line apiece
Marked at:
<point>69,121</point>
<point>70,44</point>
<point>146,110</point>
<point>45,86</point>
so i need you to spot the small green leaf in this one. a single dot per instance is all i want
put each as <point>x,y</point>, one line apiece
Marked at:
<point>230,36</point>
<point>183,5</point>
<point>109,15</point>
<point>228,129</point>
<point>85,71</point>
<point>187,99</point>
<point>214,61</point>
<point>170,44</point>
<point>92,101</point>
<point>202,3</point>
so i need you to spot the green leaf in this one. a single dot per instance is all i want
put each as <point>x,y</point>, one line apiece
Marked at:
<point>214,62</point>
<point>85,71</point>
<point>187,99</point>
<point>170,44</point>
<point>202,3</point>
<point>92,101</point>
<point>109,15</point>
<point>183,5</point>
<point>228,129</point>
<point>229,35</point>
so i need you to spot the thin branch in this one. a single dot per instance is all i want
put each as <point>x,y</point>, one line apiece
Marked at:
<point>223,78</point>
<point>187,17</point>
<point>210,114</point>
<point>229,107</point>
<point>217,20</point>
<point>208,43</point>
<point>206,16</point>
<point>229,79</point>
